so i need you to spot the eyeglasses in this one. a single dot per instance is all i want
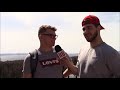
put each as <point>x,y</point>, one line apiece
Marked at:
<point>51,35</point>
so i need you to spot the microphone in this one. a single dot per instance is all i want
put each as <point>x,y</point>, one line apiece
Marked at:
<point>66,60</point>
<point>60,52</point>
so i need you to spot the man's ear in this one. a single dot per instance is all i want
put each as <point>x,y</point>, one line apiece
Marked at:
<point>99,27</point>
<point>39,36</point>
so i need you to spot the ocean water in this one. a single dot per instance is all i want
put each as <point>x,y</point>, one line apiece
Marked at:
<point>12,57</point>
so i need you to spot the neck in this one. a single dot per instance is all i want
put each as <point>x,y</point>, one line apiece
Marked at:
<point>96,42</point>
<point>45,48</point>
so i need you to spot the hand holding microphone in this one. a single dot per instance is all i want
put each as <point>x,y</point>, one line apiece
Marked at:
<point>60,52</point>
<point>62,55</point>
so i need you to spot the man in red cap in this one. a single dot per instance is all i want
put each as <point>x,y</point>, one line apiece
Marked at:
<point>98,60</point>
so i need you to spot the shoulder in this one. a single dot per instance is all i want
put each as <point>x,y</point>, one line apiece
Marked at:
<point>27,58</point>
<point>83,52</point>
<point>109,50</point>
<point>31,53</point>
<point>34,51</point>
<point>84,49</point>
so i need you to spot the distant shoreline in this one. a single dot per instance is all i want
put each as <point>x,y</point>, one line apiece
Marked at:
<point>20,56</point>
<point>74,59</point>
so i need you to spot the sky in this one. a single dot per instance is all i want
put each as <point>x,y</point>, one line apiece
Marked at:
<point>19,30</point>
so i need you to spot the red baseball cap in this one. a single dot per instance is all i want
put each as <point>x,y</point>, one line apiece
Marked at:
<point>91,19</point>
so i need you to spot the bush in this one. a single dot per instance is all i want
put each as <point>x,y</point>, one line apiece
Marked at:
<point>11,69</point>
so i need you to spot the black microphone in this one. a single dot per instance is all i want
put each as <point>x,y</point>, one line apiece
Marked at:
<point>60,52</point>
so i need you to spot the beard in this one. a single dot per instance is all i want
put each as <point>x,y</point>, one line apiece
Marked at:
<point>92,38</point>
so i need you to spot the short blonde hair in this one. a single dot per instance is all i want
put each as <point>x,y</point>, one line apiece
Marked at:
<point>43,29</point>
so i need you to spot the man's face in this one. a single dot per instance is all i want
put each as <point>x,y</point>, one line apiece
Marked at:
<point>90,32</point>
<point>49,37</point>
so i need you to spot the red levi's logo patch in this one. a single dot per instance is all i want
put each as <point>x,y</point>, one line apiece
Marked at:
<point>49,62</point>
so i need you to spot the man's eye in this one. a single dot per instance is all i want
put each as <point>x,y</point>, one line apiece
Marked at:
<point>83,29</point>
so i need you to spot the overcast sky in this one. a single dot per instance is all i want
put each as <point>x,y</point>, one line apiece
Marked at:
<point>19,30</point>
